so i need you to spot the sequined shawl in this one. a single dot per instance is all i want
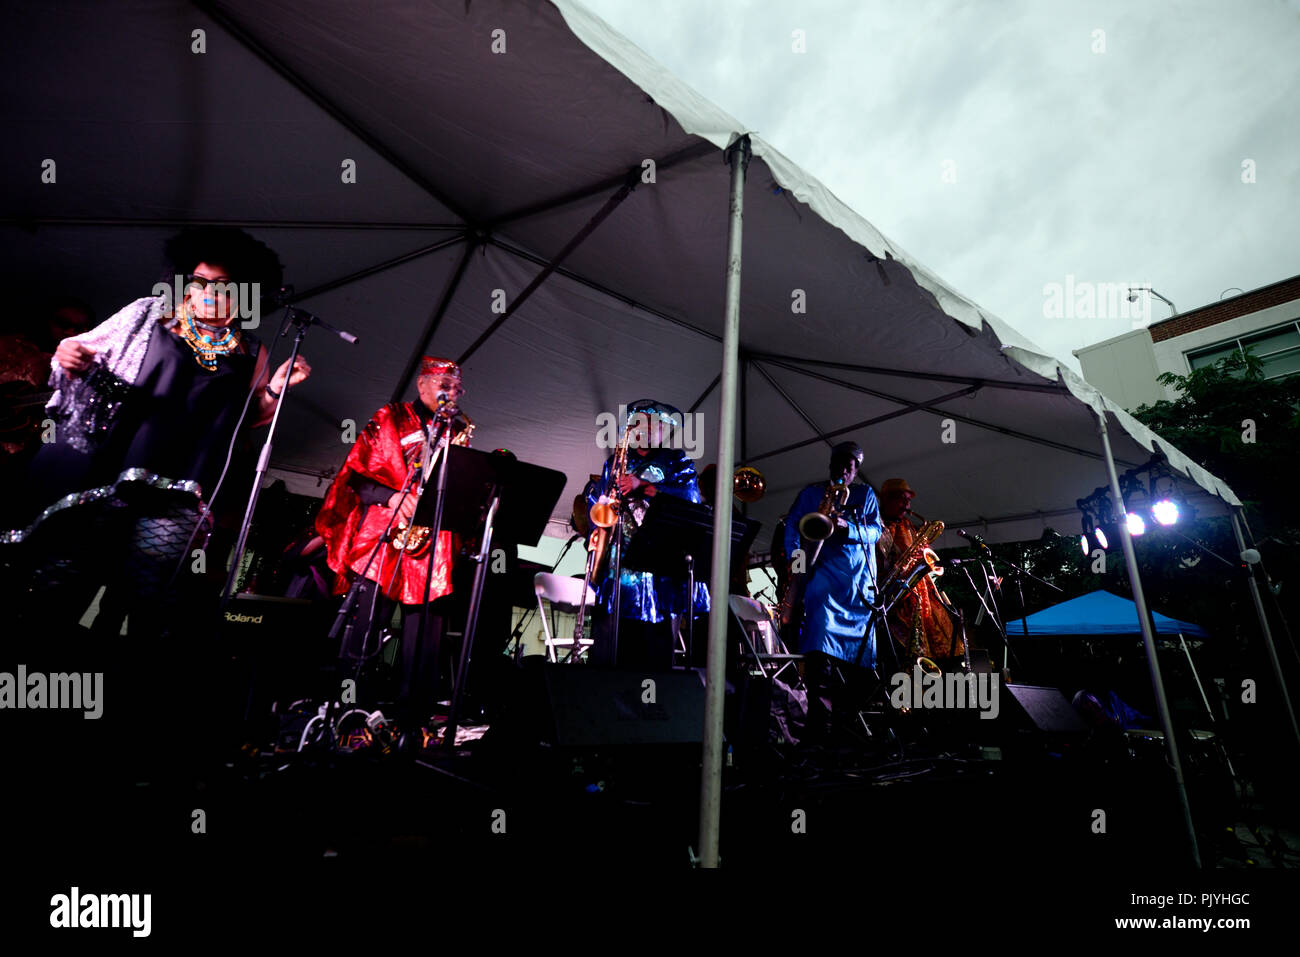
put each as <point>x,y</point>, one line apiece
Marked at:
<point>121,343</point>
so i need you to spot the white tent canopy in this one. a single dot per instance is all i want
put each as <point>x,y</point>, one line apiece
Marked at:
<point>474,169</point>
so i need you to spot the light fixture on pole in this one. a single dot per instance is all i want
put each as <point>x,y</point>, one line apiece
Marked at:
<point>1133,293</point>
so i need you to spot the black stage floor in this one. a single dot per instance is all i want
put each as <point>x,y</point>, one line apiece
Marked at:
<point>158,796</point>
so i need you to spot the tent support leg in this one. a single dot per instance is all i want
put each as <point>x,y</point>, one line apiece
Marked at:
<point>1149,645</point>
<point>720,572</point>
<point>1264,628</point>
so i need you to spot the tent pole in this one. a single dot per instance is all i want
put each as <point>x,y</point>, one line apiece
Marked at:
<point>604,290</point>
<point>1052,389</point>
<point>789,400</point>
<point>955,416</point>
<point>865,423</point>
<point>473,242</point>
<point>1149,644</point>
<point>1264,628</point>
<point>738,154</point>
<point>705,394</point>
<point>589,227</point>
<point>1268,587</point>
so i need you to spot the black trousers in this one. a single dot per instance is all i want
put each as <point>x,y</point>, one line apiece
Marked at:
<point>837,690</point>
<point>418,665</point>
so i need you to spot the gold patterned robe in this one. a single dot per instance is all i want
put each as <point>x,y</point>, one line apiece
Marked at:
<point>918,620</point>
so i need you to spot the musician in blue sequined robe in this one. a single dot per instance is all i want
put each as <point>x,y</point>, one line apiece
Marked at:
<point>839,588</point>
<point>648,603</point>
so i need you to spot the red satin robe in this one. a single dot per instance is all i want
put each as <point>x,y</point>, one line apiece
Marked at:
<point>391,443</point>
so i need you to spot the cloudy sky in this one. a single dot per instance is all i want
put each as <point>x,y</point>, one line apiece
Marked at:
<point>1008,144</point>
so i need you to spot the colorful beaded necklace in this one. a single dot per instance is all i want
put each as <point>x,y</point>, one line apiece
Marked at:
<point>205,342</point>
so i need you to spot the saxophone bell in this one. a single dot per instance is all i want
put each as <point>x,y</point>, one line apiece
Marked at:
<point>820,525</point>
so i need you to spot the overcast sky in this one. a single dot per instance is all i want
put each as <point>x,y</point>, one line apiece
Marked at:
<point>1007,145</point>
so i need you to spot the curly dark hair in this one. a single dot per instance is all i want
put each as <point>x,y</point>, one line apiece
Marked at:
<point>247,259</point>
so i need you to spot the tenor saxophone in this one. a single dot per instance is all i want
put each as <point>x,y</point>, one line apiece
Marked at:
<point>604,516</point>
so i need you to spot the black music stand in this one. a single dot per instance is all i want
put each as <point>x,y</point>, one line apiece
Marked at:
<point>672,533</point>
<point>488,495</point>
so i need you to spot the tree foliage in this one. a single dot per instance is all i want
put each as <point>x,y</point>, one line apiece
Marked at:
<point>1241,427</point>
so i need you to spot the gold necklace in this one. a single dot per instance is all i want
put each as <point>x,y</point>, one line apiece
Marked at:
<point>204,344</point>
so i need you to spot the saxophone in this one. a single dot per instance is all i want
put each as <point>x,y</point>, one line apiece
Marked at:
<point>914,564</point>
<point>817,526</point>
<point>604,516</point>
<point>414,539</point>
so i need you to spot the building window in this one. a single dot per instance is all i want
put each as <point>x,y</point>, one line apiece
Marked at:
<point>1279,348</point>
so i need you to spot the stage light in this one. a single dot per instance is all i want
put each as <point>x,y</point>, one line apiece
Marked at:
<point>1083,544</point>
<point>1100,536</point>
<point>1165,511</point>
<point>1135,524</point>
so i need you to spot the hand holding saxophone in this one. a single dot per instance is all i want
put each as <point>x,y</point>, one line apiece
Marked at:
<point>407,506</point>
<point>626,484</point>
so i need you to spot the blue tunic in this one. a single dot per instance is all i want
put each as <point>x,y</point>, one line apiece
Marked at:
<point>836,596</point>
<point>645,596</point>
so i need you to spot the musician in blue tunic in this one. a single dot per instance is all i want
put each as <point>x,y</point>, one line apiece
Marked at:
<point>838,588</point>
<point>651,606</point>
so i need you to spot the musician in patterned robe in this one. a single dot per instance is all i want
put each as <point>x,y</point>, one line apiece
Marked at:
<point>358,507</point>
<point>919,615</point>
<point>651,607</point>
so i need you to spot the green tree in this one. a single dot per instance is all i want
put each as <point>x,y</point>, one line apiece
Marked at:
<point>1243,428</point>
<point>1246,430</point>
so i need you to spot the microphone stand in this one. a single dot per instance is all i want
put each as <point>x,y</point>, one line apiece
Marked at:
<point>441,440</point>
<point>1020,575</point>
<point>303,320</point>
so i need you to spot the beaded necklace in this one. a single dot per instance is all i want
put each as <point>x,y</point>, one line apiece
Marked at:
<point>202,339</point>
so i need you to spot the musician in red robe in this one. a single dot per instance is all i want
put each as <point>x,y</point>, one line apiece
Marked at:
<point>365,496</point>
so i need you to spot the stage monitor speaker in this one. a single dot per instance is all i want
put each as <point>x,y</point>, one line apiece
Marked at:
<point>1048,709</point>
<point>276,649</point>
<point>592,707</point>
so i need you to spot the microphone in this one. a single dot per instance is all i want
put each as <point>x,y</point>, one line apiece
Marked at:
<point>302,316</point>
<point>974,540</point>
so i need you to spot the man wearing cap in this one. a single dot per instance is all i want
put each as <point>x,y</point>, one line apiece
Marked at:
<point>649,604</point>
<point>918,617</point>
<point>363,499</point>
<point>838,590</point>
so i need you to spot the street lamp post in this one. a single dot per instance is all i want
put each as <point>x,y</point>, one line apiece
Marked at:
<point>1133,294</point>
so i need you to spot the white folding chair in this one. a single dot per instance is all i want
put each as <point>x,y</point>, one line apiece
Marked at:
<point>564,594</point>
<point>757,622</point>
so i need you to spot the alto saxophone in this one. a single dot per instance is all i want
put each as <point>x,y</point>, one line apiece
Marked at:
<point>414,538</point>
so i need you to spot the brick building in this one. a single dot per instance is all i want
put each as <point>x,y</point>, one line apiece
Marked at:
<point>1264,320</point>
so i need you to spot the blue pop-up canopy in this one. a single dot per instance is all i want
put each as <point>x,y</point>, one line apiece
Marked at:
<point>1098,613</point>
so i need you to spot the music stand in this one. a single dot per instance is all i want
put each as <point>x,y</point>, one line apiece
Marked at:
<point>672,533</point>
<point>504,498</point>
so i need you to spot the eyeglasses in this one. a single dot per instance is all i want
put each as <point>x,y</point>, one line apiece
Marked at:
<point>203,281</point>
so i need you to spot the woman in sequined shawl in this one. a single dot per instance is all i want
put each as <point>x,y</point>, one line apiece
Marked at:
<point>648,603</point>
<point>144,410</point>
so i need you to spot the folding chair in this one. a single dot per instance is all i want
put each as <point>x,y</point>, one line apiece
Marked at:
<point>564,594</point>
